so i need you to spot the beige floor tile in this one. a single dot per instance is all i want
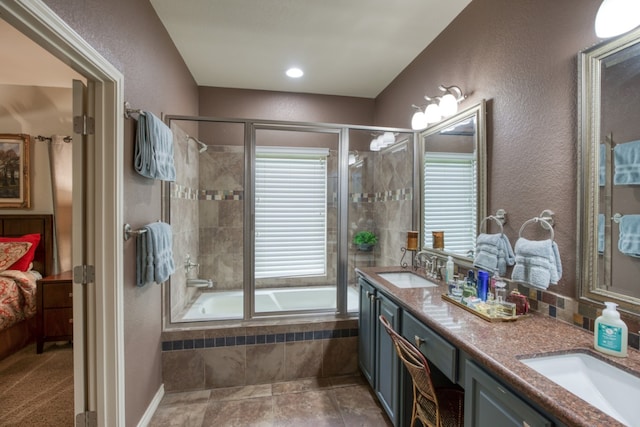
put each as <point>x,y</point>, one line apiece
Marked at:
<point>312,408</point>
<point>238,393</point>
<point>257,412</point>
<point>183,415</point>
<point>299,386</point>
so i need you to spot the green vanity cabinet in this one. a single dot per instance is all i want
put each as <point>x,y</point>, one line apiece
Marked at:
<point>488,403</point>
<point>377,357</point>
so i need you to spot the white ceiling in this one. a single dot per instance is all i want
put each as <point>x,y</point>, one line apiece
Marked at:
<point>351,48</point>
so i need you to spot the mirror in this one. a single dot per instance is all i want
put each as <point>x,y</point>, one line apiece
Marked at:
<point>453,183</point>
<point>609,197</point>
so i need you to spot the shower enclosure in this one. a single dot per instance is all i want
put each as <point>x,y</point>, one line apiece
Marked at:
<point>267,212</point>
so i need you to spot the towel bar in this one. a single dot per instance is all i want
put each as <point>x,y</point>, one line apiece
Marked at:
<point>128,111</point>
<point>128,232</point>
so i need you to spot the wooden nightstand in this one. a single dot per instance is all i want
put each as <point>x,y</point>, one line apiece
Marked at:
<point>55,309</point>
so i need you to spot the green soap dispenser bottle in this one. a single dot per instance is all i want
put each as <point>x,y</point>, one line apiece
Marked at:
<point>610,332</point>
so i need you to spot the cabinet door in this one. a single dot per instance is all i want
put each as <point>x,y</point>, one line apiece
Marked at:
<point>366,335</point>
<point>387,362</point>
<point>489,404</point>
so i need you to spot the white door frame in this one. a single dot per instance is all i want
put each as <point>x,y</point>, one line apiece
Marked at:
<point>43,26</point>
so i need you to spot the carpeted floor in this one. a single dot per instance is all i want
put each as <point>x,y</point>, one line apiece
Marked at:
<point>37,389</point>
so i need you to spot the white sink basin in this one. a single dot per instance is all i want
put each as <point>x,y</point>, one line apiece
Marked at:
<point>608,388</point>
<point>406,279</point>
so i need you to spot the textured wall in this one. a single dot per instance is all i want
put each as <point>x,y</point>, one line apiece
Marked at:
<point>521,57</point>
<point>130,36</point>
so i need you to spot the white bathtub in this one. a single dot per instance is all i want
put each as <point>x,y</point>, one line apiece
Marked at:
<point>228,304</point>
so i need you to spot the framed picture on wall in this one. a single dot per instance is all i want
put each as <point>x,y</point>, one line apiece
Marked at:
<point>14,171</point>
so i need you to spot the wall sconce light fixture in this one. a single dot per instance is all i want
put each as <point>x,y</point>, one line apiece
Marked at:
<point>438,107</point>
<point>382,141</point>
<point>617,17</point>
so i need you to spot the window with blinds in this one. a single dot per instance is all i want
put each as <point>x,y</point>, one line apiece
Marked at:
<point>450,200</point>
<point>290,212</point>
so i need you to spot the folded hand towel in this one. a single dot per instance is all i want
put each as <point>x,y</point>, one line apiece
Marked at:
<point>537,263</point>
<point>627,163</point>
<point>154,254</point>
<point>493,253</point>
<point>154,148</point>
<point>629,239</point>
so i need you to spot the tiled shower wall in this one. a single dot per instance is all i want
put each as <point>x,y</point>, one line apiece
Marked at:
<point>183,200</point>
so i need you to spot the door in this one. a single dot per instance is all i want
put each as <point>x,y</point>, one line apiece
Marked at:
<point>366,338</point>
<point>387,362</point>
<point>84,355</point>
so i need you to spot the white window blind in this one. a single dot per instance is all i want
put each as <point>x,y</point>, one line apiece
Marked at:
<point>450,200</point>
<point>290,220</point>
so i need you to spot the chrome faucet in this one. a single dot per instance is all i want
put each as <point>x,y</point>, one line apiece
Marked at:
<point>420,262</point>
<point>188,265</point>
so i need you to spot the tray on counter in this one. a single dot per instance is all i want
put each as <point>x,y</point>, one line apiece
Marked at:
<point>482,315</point>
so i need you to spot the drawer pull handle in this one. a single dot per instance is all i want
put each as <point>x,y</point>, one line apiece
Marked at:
<point>419,341</point>
<point>501,390</point>
<point>71,320</point>
<point>70,294</point>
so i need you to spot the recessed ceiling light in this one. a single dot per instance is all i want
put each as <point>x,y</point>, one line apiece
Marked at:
<point>295,73</point>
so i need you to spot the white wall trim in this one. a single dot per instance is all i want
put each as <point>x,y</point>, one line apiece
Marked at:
<point>151,409</point>
<point>42,25</point>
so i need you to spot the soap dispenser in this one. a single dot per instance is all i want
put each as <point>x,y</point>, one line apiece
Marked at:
<point>610,332</point>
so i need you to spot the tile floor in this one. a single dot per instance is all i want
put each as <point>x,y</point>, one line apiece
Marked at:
<point>339,401</point>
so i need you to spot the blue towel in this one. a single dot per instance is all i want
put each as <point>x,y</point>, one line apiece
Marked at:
<point>537,263</point>
<point>600,233</point>
<point>154,148</point>
<point>629,239</point>
<point>493,253</point>
<point>602,164</point>
<point>627,160</point>
<point>154,258</point>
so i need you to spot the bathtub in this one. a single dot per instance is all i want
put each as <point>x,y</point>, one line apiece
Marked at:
<point>229,304</point>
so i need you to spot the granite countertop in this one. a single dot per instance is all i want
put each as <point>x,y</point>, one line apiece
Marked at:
<point>498,346</point>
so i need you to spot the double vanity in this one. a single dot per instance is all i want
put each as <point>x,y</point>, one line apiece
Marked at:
<point>513,373</point>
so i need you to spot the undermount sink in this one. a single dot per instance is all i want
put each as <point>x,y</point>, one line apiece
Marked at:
<point>406,279</point>
<point>608,388</point>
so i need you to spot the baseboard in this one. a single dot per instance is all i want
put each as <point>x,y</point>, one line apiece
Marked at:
<point>151,409</point>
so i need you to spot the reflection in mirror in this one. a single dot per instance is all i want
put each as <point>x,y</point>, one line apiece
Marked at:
<point>610,171</point>
<point>453,183</point>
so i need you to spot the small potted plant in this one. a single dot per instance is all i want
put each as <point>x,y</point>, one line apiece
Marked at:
<point>365,240</point>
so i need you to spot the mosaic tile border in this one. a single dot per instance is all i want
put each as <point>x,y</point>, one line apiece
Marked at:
<point>178,191</point>
<point>385,196</point>
<point>241,340</point>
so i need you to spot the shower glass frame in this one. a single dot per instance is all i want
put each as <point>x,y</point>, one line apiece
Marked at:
<point>250,127</point>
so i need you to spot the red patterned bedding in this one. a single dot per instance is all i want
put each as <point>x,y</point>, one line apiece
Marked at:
<point>17,296</point>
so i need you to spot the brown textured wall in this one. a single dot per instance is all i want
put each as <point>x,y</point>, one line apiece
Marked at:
<point>521,57</point>
<point>267,105</point>
<point>131,37</point>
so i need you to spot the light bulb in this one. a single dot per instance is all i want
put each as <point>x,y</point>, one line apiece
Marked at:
<point>389,138</point>
<point>432,113</point>
<point>374,146</point>
<point>418,121</point>
<point>352,159</point>
<point>617,17</point>
<point>448,105</point>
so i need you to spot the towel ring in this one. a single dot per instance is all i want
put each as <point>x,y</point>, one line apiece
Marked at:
<point>493,218</point>
<point>545,224</point>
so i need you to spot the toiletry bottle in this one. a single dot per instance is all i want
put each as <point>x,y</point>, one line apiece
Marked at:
<point>469,288</point>
<point>610,332</point>
<point>449,270</point>
<point>483,284</point>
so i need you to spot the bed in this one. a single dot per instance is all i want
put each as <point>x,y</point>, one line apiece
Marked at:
<point>18,288</point>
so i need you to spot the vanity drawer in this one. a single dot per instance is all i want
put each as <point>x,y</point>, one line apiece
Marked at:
<point>436,349</point>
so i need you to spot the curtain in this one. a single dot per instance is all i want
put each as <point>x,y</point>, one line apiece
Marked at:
<point>60,157</point>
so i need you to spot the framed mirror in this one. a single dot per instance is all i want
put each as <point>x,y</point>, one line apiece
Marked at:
<point>609,172</point>
<point>453,185</point>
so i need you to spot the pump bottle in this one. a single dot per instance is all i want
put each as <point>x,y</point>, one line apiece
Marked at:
<point>610,332</point>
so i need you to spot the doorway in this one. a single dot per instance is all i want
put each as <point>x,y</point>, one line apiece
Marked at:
<point>98,339</point>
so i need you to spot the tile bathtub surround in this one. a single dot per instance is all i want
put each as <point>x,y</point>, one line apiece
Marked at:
<point>335,401</point>
<point>201,359</point>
